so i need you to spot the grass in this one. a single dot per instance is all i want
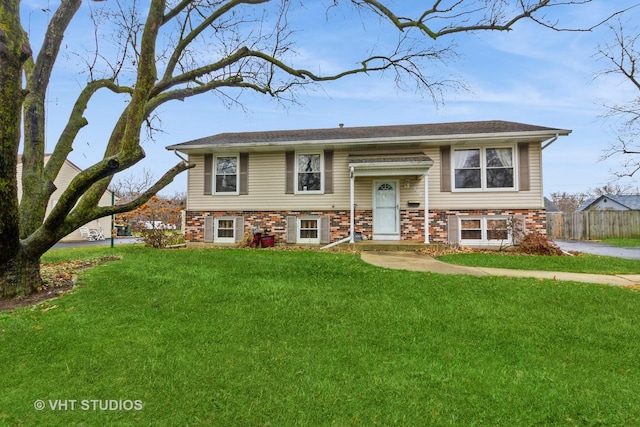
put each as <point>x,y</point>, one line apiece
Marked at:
<point>583,263</point>
<point>241,337</point>
<point>623,243</point>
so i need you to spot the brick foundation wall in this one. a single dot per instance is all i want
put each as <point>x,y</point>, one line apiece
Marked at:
<point>411,222</point>
<point>535,220</point>
<point>276,222</point>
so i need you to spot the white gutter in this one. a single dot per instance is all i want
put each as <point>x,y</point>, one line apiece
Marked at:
<point>473,137</point>
<point>551,141</point>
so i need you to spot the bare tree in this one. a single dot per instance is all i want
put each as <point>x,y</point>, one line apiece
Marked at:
<point>570,202</point>
<point>622,58</point>
<point>567,202</point>
<point>172,50</point>
<point>615,188</point>
<point>130,186</point>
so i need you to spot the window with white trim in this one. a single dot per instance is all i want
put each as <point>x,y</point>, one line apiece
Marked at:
<point>226,175</point>
<point>225,228</point>
<point>486,230</point>
<point>309,230</point>
<point>471,229</point>
<point>498,229</point>
<point>487,168</point>
<point>309,167</point>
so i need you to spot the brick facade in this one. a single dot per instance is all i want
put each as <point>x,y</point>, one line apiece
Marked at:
<point>535,220</point>
<point>411,222</point>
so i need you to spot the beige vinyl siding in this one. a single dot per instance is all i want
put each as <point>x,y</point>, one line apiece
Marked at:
<point>267,188</point>
<point>66,175</point>
<point>67,172</point>
<point>531,199</point>
<point>19,176</point>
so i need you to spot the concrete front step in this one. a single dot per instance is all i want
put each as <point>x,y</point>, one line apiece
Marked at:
<point>394,246</point>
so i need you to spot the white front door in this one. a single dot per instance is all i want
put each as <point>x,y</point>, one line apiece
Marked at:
<point>386,210</point>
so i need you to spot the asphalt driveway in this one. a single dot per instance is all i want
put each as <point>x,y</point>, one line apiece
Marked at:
<point>598,248</point>
<point>116,242</point>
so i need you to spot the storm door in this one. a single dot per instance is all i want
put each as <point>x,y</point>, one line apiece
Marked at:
<point>386,210</point>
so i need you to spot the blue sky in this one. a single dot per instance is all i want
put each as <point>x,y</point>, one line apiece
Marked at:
<point>530,75</point>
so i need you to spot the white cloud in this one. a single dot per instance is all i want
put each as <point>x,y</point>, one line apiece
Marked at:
<point>530,75</point>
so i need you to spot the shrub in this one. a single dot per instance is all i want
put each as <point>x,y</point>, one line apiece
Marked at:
<point>159,239</point>
<point>535,243</point>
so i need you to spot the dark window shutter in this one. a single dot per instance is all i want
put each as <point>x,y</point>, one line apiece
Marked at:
<point>289,167</point>
<point>453,230</point>
<point>292,229</point>
<point>524,170</point>
<point>208,173</point>
<point>445,168</point>
<point>328,172</point>
<point>325,230</point>
<point>239,228</point>
<point>244,173</point>
<point>208,229</point>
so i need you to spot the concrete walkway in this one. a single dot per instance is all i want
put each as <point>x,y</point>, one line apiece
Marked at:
<point>422,262</point>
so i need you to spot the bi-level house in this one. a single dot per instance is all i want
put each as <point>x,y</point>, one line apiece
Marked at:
<point>468,183</point>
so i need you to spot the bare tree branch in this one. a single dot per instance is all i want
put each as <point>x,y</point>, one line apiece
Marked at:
<point>163,50</point>
<point>622,59</point>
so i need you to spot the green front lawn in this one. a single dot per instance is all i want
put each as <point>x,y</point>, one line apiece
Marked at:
<point>623,243</point>
<point>281,338</point>
<point>583,263</point>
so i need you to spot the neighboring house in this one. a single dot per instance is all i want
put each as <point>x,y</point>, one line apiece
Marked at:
<point>551,207</point>
<point>64,178</point>
<point>612,202</point>
<point>468,183</point>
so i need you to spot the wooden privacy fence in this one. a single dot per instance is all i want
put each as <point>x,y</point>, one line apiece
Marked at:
<point>593,225</point>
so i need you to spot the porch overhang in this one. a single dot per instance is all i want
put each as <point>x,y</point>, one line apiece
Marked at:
<point>380,165</point>
<point>390,165</point>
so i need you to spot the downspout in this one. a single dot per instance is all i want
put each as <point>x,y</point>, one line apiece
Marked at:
<point>551,141</point>
<point>339,242</point>
<point>548,143</point>
<point>426,209</point>
<point>350,238</point>
<point>352,196</point>
<point>545,145</point>
<point>180,157</point>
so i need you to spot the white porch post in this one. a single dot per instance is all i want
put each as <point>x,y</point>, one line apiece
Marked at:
<point>352,193</point>
<point>426,208</point>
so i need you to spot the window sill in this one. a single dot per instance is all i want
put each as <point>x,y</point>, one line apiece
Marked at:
<point>484,190</point>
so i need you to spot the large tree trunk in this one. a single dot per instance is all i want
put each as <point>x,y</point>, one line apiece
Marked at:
<point>19,277</point>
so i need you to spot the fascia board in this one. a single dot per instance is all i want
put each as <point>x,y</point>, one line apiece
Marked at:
<point>391,172</point>
<point>438,139</point>
<point>391,165</point>
<point>390,168</point>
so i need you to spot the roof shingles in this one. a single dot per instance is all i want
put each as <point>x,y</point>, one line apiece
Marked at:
<point>368,132</point>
